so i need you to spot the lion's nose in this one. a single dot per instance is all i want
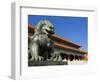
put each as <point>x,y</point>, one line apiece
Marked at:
<point>52,32</point>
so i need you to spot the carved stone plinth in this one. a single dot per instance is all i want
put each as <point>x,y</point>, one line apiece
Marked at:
<point>46,63</point>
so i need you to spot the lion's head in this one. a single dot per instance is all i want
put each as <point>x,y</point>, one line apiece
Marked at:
<point>45,26</point>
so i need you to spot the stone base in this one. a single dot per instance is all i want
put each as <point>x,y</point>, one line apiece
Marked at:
<point>46,63</point>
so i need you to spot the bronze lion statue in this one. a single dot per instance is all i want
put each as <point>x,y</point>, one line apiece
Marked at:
<point>38,48</point>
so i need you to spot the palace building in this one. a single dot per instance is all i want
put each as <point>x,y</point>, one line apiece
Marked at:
<point>67,49</point>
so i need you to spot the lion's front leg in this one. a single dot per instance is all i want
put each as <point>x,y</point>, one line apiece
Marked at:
<point>34,52</point>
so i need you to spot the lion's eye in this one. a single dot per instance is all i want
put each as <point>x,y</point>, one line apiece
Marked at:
<point>50,27</point>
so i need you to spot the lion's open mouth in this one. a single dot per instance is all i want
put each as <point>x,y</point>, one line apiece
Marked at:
<point>50,32</point>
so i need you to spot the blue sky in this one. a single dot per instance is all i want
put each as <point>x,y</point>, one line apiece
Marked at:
<point>74,29</point>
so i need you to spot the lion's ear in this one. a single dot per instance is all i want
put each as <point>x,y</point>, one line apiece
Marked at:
<point>40,25</point>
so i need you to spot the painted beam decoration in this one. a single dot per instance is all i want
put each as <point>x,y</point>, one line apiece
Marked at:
<point>47,42</point>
